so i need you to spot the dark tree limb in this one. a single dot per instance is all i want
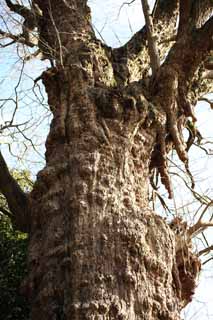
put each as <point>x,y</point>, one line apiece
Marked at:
<point>193,14</point>
<point>201,11</point>
<point>17,200</point>
<point>185,22</point>
<point>207,31</point>
<point>20,10</point>
<point>30,22</point>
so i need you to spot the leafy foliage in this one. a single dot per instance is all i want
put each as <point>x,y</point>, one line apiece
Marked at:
<point>13,251</point>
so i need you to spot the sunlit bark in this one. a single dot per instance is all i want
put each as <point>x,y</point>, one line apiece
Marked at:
<point>96,249</point>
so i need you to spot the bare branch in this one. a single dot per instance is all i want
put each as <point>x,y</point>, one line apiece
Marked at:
<point>29,24</point>
<point>200,226</point>
<point>205,251</point>
<point>16,38</point>
<point>152,46</point>
<point>17,200</point>
<point>164,15</point>
<point>210,102</point>
<point>19,9</point>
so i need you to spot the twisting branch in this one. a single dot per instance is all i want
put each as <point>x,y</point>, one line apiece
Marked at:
<point>17,200</point>
<point>152,46</point>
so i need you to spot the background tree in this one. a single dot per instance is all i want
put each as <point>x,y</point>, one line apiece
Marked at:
<point>13,268</point>
<point>96,248</point>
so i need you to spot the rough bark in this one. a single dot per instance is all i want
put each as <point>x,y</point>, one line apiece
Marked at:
<point>96,249</point>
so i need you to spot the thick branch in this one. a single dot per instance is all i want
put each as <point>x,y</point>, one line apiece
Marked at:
<point>193,14</point>
<point>190,50</point>
<point>207,32</point>
<point>164,21</point>
<point>185,13</point>
<point>208,75</point>
<point>201,11</point>
<point>17,200</point>
<point>54,42</point>
<point>153,50</point>
<point>19,9</point>
<point>173,82</point>
<point>28,25</point>
<point>165,17</point>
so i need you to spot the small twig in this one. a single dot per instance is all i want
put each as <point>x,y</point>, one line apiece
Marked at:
<point>205,251</point>
<point>16,93</point>
<point>15,38</point>
<point>7,44</point>
<point>200,226</point>
<point>57,35</point>
<point>172,39</point>
<point>99,32</point>
<point>208,101</point>
<point>124,4</point>
<point>207,260</point>
<point>196,195</point>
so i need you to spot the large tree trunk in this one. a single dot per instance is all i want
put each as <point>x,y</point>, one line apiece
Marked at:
<point>96,249</point>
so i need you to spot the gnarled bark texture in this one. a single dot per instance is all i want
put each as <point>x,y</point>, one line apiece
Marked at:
<point>96,249</point>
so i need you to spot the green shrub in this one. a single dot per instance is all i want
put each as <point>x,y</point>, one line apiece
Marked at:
<point>13,249</point>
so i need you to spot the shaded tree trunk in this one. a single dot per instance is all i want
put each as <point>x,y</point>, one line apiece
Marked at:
<point>96,249</point>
